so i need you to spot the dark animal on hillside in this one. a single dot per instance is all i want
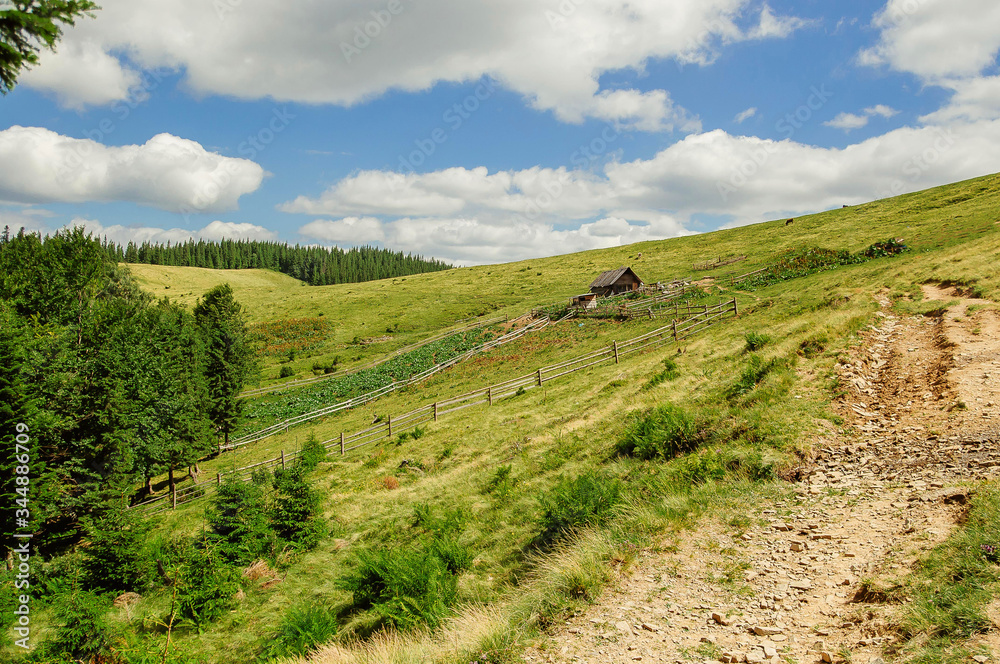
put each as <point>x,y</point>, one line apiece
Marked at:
<point>789,221</point>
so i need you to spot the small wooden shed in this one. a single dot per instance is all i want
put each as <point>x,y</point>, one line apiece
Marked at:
<point>613,282</point>
<point>585,301</point>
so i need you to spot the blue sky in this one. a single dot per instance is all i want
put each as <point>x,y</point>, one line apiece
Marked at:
<point>493,131</point>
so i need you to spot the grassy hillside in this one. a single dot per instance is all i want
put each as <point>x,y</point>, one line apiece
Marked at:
<point>542,495</point>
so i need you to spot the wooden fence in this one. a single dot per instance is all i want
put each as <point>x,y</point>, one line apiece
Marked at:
<point>718,262</point>
<point>736,279</point>
<point>677,331</point>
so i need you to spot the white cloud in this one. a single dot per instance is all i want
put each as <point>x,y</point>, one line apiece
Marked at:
<point>552,53</point>
<point>83,74</point>
<point>743,116</point>
<point>936,39</point>
<point>849,121</point>
<point>881,109</point>
<point>40,166</point>
<point>973,99</point>
<point>215,231</point>
<point>776,27</point>
<point>474,216</point>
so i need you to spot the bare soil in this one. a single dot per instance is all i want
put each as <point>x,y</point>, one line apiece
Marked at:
<point>794,582</point>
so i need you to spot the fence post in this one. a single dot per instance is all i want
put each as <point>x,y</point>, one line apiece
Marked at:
<point>341,443</point>
<point>435,411</point>
<point>173,496</point>
<point>675,330</point>
<point>489,394</point>
<point>389,420</point>
<point>615,344</point>
<point>539,376</point>
<point>282,459</point>
<point>218,479</point>
<point>736,311</point>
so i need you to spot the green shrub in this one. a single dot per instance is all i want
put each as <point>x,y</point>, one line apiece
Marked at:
<point>286,371</point>
<point>207,586</point>
<point>501,483</point>
<point>403,587</point>
<point>115,560</point>
<point>456,556</point>
<point>312,454</point>
<point>450,522</point>
<point>295,514</point>
<point>715,465</point>
<point>573,503</point>
<point>83,632</point>
<point>303,628</point>
<point>814,345</point>
<point>238,520</point>
<point>662,432</point>
<point>755,341</point>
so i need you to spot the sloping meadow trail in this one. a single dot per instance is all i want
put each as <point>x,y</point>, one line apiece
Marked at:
<point>790,583</point>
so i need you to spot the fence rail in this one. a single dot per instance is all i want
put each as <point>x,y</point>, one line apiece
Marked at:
<point>677,331</point>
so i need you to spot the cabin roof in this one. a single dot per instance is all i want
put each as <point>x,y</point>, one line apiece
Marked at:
<point>605,279</point>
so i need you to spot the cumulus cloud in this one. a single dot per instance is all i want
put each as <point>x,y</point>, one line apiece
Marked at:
<point>936,39</point>
<point>40,166</point>
<point>743,116</point>
<point>552,53</point>
<point>882,110</point>
<point>215,231</point>
<point>973,99</point>
<point>475,216</point>
<point>849,121</point>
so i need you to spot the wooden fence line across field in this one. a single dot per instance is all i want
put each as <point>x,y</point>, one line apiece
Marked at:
<point>677,331</point>
<point>719,262</point>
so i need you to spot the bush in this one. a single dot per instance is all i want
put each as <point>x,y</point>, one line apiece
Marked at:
<point>662,432</point>
<point>302,629</point>
<point>312,454</point>
<point>295,512</point>
<point>207,586</point>
<point>755,341</point>
<point>83,632</point>
<point>755,371</point>
<point>501,483</point>
<point>286,371</point>
<point>238,519</point>
<point>451,522</point>
<point>115,560</point>
<point>403,587</point>
<point>586,500</point>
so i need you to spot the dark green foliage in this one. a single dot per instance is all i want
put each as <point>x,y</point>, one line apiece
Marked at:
<point>303,628</point>
<point>207,586</point>
<point>755,341</point>
<point>717,465</point>
<point>586,500</point>
<point>669,372</point>
<point>312,454</point>
<point>450,522</point>
<point>814,345</point>
<point>30,25</point>
<point>231,359</point>
<point>403,587</point>
<point>662,432</point>
<point>802,262</point>
<point>240,523</point>
<point>295,515</point>
<point>317,266</point>
<point>286,372</point>
<point>83,632</point>
<point>115,559</point>
<point>501,483</point>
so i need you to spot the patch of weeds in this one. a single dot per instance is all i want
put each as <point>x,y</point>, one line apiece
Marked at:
<point>755,371</point>
<point>755,341</point>
<point>448,450</point>
<point>375,460</point>
<point>670,372</point>
<point>501,483</point>
<point>618,382</point>
<point>814,345</point>
<point>303,628</point>
<point>663,432</point>
<point>585,500</point>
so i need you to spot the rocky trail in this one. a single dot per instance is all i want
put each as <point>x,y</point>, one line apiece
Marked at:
<point>922,396</point>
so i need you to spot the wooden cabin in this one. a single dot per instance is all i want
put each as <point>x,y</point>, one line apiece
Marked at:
<point>613,282</point>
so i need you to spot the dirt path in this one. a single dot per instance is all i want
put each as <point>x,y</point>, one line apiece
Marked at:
<point>922,404</point>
